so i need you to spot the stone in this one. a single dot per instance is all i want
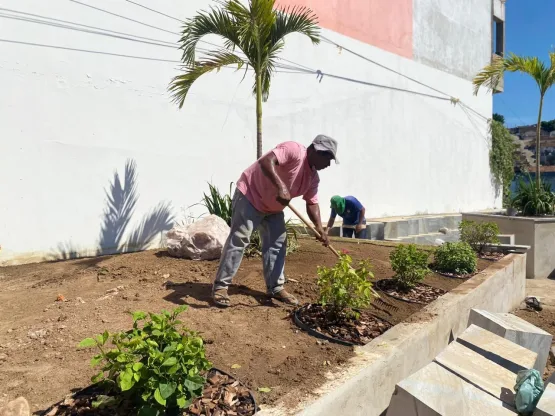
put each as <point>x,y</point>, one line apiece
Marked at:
<point>516,330</point>
<point>479,371</point>
<point>435,391</point>
<point>3,357</point>
<point>443,230</point>
<point>499,350</point>
<point>546,405</point>
<point>39,333</point>
<point>17,407</point>
<point>201,240</point>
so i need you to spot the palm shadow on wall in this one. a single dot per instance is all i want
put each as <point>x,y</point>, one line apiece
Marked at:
<point>121,199</point>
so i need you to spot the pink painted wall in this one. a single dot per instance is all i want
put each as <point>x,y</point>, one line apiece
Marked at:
<point>386,24</point>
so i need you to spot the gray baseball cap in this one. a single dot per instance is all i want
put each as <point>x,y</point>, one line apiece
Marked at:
<point>326,144</point>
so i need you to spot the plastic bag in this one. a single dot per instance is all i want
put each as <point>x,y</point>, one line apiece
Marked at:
<point>528,388</point>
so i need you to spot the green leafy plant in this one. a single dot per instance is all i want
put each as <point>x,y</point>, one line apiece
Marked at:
<point>253,35</point>
<point>458,258</point>
<point>218,203</point>
<point>158,366</point>
<point>502,157</point>
<point>532,200</point>
<point>410,265</point>
<point>343,289</point>
<point>479,234</point>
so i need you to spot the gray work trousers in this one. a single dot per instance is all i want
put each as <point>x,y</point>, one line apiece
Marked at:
<point>244,221</point>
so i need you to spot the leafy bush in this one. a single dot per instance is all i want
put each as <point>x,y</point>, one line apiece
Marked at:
<point>219,204</point>
<point>458,258</point>
<point>157,366</point>
<point>479,235</point>
<point>410,265</point>
<point>533,201</point>
<point>343,290</point>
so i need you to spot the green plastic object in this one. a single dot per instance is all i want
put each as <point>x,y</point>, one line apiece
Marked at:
<point>528,388</point>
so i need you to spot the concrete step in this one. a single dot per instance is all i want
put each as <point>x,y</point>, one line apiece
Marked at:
<point>479,371</point>
<point>517,330</point>
<point>431,239</point>
<point>497,349</point>
<point>409,226</point>
<point>546,405</point>
<point>436,391</point>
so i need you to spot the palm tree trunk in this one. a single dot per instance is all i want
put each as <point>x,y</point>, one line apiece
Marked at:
<point>258,115</point>
<point>538,148</point>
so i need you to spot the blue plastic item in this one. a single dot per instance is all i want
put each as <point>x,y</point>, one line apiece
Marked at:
<point>528,388</point>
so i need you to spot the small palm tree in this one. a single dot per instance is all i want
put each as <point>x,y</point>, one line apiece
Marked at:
<point>253,36</point>
<point>543,75</point>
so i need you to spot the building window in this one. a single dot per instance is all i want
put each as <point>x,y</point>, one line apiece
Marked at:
<point>498,32</point>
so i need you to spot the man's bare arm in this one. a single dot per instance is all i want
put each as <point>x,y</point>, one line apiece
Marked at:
<point>313,211</point>
<point>268,165</point>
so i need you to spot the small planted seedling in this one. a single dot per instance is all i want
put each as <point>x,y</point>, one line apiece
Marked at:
<point>479,234</point>
<point>457,258</point>
<point>157,366</point>
<point>343,289</point>
<point>410,265</point>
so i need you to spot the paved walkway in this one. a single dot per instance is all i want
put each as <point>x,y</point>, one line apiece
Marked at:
<point>543,289</point>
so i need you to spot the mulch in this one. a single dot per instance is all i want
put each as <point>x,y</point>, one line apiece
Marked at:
<point>223,395</point>
<point>421,293</point>
<point>355,331</point>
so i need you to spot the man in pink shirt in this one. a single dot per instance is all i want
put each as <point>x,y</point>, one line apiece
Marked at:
<point>263,191</point>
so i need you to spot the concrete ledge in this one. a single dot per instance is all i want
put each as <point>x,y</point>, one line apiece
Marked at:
<point>364,387</point>
<point>536,232</point>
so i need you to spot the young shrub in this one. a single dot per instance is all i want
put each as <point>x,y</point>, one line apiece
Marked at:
<point>410,265</point>
<point>157,367</point>
<point>479,235</point>
<point>343,290</point>
<point>458,258</point>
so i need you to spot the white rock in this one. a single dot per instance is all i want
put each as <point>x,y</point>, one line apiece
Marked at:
<point>39,333</point>
<point>201,240</point>
<point>3,357</point>
<point>17,407</point>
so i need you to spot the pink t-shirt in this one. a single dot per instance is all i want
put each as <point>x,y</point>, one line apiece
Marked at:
<point>294,171</point>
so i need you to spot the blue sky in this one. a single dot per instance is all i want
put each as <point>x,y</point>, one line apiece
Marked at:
<point>529,31</point>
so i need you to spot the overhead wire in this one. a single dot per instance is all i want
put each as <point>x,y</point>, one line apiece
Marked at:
<point>293,68</point>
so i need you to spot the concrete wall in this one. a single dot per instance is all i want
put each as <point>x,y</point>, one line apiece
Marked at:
<point>365,387</point>
<point>77,105</point>
<point>446,28</point>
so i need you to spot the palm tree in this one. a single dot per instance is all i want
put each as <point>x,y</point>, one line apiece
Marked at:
<point>253,37</point>
<point>538,70</point>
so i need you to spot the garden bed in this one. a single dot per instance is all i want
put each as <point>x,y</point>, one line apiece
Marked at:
<point>255,340</point>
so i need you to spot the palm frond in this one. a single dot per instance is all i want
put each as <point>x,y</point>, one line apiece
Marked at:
<point>490,76</point>
<point>530,65</point>
<point>180,85</point>
<point>214,22</point>
<point>551,76</point>
<point>295,19</point>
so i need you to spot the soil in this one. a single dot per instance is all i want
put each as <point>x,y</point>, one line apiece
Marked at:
<point>39,358</point>
<point>420,293</point>
<point>356,331</point>
<point>222,396</point>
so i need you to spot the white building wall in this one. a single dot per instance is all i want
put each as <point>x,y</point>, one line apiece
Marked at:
<point>70,119</point>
